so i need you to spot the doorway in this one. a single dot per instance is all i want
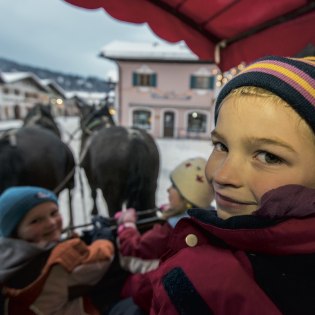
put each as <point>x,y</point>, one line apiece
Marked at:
<point>168,123</point>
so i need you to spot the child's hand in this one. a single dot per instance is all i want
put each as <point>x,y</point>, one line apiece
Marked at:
<point>165,207</point>
<point>165,211</point>
<point>129,215</point>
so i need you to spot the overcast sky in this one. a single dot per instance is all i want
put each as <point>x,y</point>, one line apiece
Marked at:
<point>58,36</point>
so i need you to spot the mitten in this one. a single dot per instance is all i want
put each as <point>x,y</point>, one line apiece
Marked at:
<point>104,233</point>
<point>165,211</point>
<point>126,216</point>
<point>101,230</point>
<point>125,219</point>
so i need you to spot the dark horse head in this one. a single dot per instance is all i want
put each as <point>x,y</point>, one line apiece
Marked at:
<point>36,156</point>
<point>40,115</point>
<point>122,162</point>
<point>94,118</point>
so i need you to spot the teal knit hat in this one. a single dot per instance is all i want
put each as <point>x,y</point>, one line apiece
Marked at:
<point>16,202</point>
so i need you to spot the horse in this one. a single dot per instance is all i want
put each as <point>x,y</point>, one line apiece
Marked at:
<point>35,156</point>
<point>122,162</point>
<point>40,115</point>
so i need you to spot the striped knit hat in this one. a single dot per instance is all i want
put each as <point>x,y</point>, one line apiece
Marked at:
<point>292,79</point>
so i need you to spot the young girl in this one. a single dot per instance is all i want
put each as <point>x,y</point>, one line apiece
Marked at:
<point>257,254</point>
<point>39,274</point>
<point>189,189</point>
<point>141,253</point>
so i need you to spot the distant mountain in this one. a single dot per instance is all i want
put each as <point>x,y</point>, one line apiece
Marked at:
<point>68,82</point>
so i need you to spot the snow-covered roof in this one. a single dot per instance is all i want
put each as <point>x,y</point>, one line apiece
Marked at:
<point>52,83</point>
<point>86,95</point>
<point>11,77</point>
<point>146,50</point>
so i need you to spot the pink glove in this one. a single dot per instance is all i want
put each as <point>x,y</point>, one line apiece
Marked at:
<point>164,207</point>
<point>129,215</point>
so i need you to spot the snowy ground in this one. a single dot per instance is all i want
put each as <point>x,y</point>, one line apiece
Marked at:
<point>172,152</point>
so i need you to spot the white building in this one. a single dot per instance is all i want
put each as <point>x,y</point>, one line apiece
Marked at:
<point>19,91</point>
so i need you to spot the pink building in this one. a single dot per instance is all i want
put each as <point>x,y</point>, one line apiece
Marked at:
<point>163,88</point>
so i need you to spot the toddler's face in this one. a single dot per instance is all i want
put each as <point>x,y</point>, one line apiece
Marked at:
<point>177,202</point>
<point>41,225</point>
<point>258,146</point>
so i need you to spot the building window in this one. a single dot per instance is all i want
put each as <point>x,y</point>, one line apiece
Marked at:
<point>197,122</point>
<point>144,79</point>
<point>202,82</point>
<point>141,119</point>
<point>31,95</point>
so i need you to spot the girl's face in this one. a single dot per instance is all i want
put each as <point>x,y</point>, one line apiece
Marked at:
<point>41,225</point>
<point>177,202</point>
<point>258,146</point>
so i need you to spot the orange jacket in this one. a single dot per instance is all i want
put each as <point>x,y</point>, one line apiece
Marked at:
<point>71,264</point>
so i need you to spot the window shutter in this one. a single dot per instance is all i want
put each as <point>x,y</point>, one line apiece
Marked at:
<point>153,79</point>
<point>134,79</point>
<point>192,82</point>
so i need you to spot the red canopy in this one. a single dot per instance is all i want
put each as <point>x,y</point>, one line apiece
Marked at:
<point>225,31</point>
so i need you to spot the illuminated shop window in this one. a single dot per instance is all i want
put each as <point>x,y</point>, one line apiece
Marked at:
<point>197,122</point>
<point>141,119</point>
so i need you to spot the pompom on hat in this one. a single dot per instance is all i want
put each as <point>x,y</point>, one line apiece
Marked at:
<point>292,79</point>
<point>190,180</point>
<point>16,202</point>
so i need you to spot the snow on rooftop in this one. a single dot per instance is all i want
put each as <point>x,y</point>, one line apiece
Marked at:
<point>10,77</point>
<point>49,82</point>
<point>86,95</point>
<point>146,50</point>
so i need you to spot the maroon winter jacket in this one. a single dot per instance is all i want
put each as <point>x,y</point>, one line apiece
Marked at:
<point>141,252</point>
<point>150,245</point>
<point>253,264</point>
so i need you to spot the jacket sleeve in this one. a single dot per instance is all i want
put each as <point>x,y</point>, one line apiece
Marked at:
<point>150,245</point>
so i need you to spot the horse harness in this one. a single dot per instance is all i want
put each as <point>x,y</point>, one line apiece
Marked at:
<point>132,134</point>
<point>93,126</point>
<point>10,135</point>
